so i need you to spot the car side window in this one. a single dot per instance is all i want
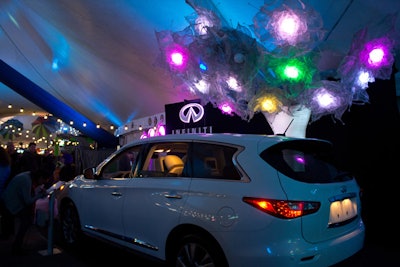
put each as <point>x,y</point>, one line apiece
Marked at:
<point>214,161</point>
<point>122,165</point>
<point>164,159</point>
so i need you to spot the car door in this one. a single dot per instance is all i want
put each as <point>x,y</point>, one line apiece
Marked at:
<point>154,199</point>
<point>104,197</point>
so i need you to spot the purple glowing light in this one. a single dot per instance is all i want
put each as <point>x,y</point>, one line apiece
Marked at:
<point>325,99</point>
<point>376,53</point>
<point>300,159</point>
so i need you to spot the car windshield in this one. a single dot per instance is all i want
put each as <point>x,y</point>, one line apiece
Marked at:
<point>309,161</point>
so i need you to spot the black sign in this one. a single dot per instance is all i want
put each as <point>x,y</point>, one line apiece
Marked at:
<point>192,117</point>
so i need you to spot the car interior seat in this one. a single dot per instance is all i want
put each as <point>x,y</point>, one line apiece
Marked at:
<point>174,164</point>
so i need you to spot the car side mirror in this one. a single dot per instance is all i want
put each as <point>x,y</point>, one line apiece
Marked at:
<point>89,173</point>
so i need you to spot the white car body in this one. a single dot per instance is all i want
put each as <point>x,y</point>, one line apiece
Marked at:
<point>148,214</point>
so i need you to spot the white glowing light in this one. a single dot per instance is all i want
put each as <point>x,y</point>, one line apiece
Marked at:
<point>291,72</point>
<point>364,77</point>
<point>202,23</point>
<point>376,56</point>
<point>202,86</point>
<point>233,84</point>
<point>288,26</point>
<point>177,58</point>
<point>325,99</point>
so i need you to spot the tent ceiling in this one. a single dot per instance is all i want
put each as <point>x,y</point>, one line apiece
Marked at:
<point>107,50</point>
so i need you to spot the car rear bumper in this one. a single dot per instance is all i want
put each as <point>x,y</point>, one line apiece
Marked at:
<point>297,252</point>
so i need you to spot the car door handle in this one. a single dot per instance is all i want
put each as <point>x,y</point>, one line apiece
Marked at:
<point>173,196</point>
<point>116,194</point>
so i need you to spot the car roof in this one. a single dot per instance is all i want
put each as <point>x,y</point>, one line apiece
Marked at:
<point>232,138</point>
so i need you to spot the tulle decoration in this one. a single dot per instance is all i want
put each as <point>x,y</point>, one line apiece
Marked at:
<point>326,97</point>
<point>202,20</point>
<point>286,24</point>
<point>291,74</point>
<point>218,63</point>
<point>270,100</point>
<point>206,9</point>
<point>382,68</point>
<point>275,71</point>
<point>359,67</point>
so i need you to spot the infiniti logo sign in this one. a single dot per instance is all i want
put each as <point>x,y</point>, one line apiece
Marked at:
<point>192,111</point>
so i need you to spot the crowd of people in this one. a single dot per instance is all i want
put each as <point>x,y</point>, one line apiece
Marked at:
<point>24,178</point>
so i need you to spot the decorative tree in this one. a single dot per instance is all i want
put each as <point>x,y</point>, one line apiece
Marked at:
<point>275,71</point>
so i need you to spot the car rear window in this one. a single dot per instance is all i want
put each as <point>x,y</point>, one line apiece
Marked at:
<point>307,160</point>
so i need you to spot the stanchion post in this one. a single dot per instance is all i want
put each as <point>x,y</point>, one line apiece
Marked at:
<point>51,224</point>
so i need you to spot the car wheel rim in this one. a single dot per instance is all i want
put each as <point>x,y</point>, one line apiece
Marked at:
<point>194,255</point>
<point>70,225</point>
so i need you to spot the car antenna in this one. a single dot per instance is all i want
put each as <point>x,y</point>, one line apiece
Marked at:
<point>284,133</point>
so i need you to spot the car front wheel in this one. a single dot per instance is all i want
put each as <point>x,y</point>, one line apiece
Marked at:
<point>193,250</point>
<point>70,225</point>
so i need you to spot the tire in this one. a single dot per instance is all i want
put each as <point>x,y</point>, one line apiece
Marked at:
<point>70,225</point>
<point>193,250</point>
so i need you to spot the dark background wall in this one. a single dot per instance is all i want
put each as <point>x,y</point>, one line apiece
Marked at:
<point>368,144</point>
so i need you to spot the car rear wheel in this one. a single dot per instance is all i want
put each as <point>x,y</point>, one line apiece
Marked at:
<point>193,250</point>
<point>70,225</point>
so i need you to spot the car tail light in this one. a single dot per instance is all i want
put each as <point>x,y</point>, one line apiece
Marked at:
<point>284,209</point>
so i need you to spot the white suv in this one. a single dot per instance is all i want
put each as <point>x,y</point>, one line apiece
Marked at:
<point>219,200</point>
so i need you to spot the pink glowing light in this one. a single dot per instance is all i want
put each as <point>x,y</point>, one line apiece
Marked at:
<point>226,108</point>
<point>161,130</point>
<point>376,56</point>
<point>177,57</point>
<point>151,132</point>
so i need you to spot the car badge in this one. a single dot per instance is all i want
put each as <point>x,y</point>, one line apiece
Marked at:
<point>192,111</point>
